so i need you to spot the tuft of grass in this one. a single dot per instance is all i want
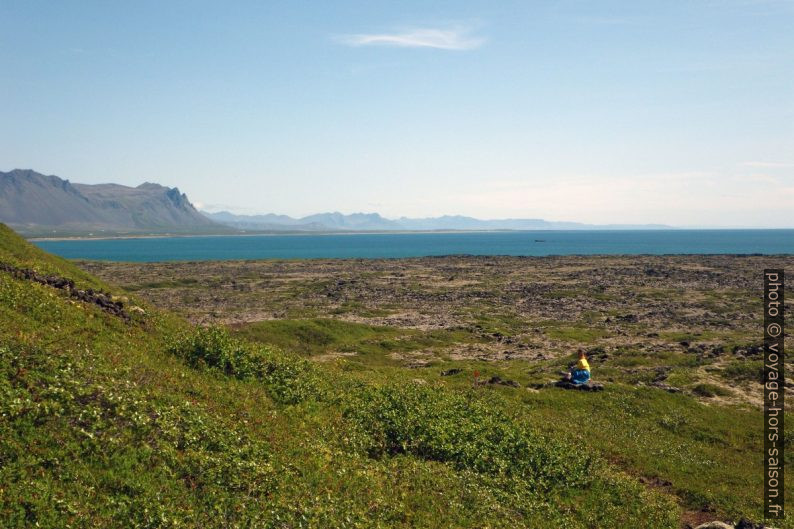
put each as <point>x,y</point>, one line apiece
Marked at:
<point>576,334</point>
<point>681,377</point>
<point>743,371</point>
<point>709,390</point>
<point>358,308</point>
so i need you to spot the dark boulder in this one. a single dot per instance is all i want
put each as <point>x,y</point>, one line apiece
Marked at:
<point>589,386</point>
<point>503,382</point>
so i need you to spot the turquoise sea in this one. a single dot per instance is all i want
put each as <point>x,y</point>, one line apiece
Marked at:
<point>384,245</point>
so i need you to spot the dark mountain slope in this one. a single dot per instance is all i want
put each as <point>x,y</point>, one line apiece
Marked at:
<point>34,203</point>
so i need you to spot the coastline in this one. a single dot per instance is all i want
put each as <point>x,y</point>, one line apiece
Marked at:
<point>270,233</point>
<point>36,238</point>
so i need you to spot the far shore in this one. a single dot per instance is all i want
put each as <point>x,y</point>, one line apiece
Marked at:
<point>365,232</point>
<point>267,233</point>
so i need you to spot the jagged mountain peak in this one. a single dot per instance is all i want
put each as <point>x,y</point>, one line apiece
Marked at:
<point>33,202</point>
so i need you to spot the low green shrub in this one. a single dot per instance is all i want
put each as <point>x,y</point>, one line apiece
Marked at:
<point>289,379</point>
<point>545,481</point>
<point>465,429</point>
<point>82,446</point>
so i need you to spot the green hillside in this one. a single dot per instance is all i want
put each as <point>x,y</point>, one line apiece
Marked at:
<point>144,421</point>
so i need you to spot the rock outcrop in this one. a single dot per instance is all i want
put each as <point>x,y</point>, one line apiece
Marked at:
<point>102,299</point>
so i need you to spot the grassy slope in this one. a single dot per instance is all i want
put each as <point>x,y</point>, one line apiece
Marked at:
<point>100,425</point>
<point>98,432</point>
<point>707,455</point>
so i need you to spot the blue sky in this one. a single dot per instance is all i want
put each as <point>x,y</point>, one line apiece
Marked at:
<point>606,112</point>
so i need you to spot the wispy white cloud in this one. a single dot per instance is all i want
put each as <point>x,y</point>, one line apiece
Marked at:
<point>459,38</point>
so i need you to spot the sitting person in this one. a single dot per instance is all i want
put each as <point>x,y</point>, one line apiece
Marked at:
<point>581,373</point>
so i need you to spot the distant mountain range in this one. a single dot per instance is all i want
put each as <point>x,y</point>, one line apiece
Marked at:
<point>374,222</point>
<point>37,204</point>
<point>40,205</point>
